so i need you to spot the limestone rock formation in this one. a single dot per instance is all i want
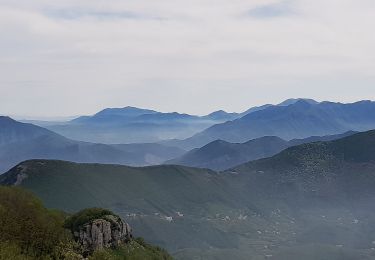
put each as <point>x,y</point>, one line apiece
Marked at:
<point>107,231</point>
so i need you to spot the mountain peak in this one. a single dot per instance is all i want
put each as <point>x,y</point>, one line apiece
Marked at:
<point>134,108</point>
<point>222,115</point>
<point>292,101</point>
<point>6,119</point>
<point>218,112</point>
<point>127,111</point>
<point>217,142</point>
<point>302,103</point>
<point>130,107</point>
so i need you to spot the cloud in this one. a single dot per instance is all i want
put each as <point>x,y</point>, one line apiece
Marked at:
<point>271,10</point>
<point>77,14</point>
<point>74,14</point>
<point>92,53</point>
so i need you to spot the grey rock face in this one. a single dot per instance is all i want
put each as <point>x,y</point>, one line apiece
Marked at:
<point>106,232</point>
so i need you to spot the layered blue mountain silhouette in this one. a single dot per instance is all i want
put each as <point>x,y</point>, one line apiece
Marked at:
<point>301,119</point>
<point>21,141</point>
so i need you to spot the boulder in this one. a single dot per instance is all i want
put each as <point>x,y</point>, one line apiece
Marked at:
<point>108,231</point>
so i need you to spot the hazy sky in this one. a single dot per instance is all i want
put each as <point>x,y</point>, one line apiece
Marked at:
<point>75,57</point>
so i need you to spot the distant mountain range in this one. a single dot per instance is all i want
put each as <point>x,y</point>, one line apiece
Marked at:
<point>307,202</point>
<point>221,155</point>
<point>300,119</point>
<point>291,119</point>
<point>21,141</point>
<point>137,125</point>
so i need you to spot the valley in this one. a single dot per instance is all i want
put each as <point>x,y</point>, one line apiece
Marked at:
<point>315,195</point>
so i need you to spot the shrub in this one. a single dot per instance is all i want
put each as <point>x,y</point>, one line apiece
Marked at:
<point>11,251</point>
<point>85,216</point>
<point>30,227</point>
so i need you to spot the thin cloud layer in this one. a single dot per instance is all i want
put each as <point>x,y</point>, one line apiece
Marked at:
<point>277,9</point>
<point>69,57</point>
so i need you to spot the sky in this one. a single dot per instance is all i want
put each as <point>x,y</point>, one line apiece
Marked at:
<point>66,58</point>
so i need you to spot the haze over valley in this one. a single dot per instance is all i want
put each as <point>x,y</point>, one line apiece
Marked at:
<point>300,184</point>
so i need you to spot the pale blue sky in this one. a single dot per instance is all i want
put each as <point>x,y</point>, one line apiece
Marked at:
<point>60,58</point>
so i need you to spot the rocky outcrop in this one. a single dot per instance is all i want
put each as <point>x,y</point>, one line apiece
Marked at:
<point>106,232</point>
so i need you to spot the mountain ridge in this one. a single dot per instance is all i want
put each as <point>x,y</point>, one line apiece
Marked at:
<point>298,120</point>
<point>21,141</point>
<point>221,155</point>
<point>128,124</point>
<point>313,193</point>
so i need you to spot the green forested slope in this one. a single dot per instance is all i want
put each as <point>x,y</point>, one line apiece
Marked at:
<point>311,199</point>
